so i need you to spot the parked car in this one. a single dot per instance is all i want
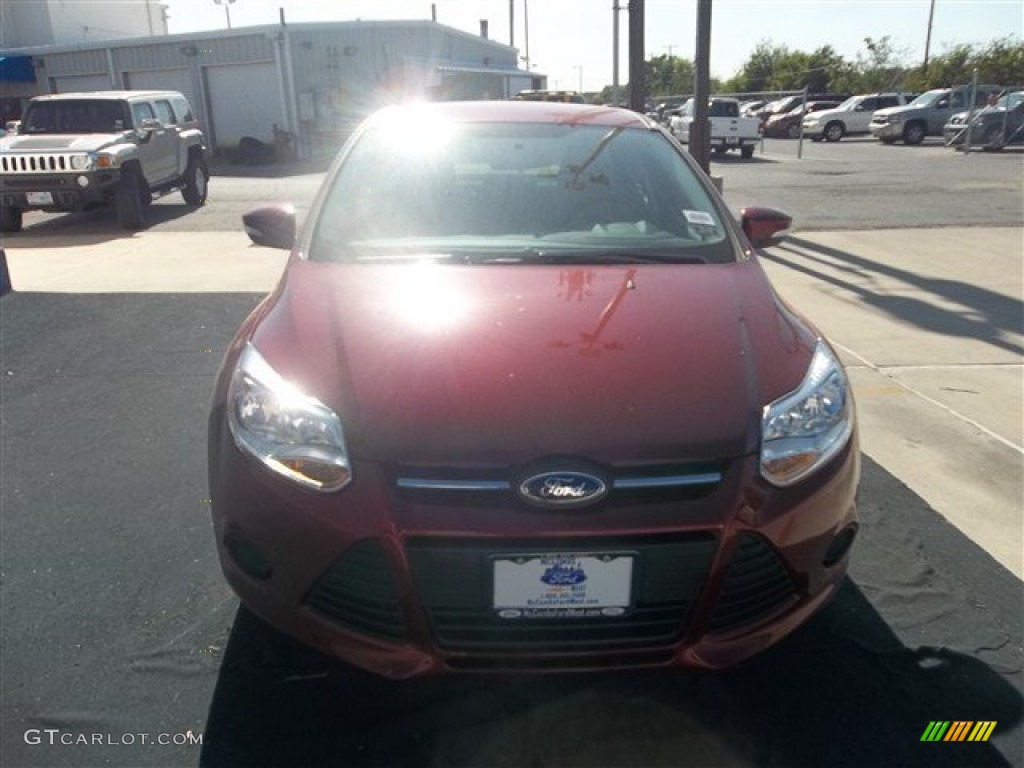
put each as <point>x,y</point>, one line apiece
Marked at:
<point>728,129</point>
<point>852,117</point>
<point>927,114</point>
<point>525,399</point>
<point>750,108</point>
<point>570,97</point>
<point>993,127</point>
<point>75,151</point>
<point>787,126</point>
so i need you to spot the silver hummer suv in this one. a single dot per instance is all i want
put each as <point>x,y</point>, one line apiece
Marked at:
<point>75,151</point>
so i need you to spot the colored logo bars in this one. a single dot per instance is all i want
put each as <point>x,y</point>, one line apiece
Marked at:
<point>958,730</point>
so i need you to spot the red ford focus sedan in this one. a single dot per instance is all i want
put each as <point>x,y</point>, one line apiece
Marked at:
<point>525,399</point>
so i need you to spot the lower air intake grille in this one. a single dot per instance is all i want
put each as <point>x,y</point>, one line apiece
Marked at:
<point>756,586</point>
<point>455,580</point>
<point>359,592</point>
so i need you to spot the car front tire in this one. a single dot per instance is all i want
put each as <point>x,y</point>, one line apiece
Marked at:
<point>913,133</point>
<point>197,179</point>
<point>834,131</point>
<point>128,200</point>
<point>747,152</point>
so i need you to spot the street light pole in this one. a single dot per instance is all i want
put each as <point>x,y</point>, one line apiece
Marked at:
<point>227,9</point>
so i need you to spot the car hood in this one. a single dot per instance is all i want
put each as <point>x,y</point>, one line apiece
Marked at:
<point>823,114</point>
<point>57,142</point>
<point>504,364</point>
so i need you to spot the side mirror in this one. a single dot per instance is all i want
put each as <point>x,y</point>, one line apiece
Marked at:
<point>765,226</point>
<point>272,226</point>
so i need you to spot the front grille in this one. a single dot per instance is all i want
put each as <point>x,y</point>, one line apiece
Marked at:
<point>757,585</point>
<point>359,592</point>
<point>495,486</point>
<point>36,163</point>
<point>455,581</point>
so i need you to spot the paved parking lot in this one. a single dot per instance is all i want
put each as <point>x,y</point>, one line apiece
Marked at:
<point>116,621</point>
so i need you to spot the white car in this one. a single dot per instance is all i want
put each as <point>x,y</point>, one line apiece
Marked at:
<point>851,117</point>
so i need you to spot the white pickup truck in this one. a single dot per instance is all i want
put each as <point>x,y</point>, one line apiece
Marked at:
<point>728,129</point>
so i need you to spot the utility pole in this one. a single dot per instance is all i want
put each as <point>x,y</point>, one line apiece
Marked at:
<point>637,75</point>
<point>526,30</point>
<point>511,23</point>
<point>702,88</point>
<point>615,51</point>
<point>928,37</point>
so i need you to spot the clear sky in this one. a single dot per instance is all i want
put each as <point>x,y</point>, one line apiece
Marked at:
<point>568,37</point>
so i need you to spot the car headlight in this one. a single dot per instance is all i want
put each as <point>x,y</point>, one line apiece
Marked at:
<point>291,433</point>
<point>81,162</point>
<point>803,430</point>
<point>895,119</point>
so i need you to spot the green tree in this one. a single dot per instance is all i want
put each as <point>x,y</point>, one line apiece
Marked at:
<point>669,76</point>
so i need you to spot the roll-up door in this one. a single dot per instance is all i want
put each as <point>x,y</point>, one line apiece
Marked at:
<point>244,100</point>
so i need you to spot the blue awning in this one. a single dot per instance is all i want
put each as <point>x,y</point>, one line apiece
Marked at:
<point>17,69</point>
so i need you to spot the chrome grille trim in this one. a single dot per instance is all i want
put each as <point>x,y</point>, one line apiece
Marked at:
<point>432,484</point>
<point>668,481</point>
<point>619,483</point>
<point>43,162</point>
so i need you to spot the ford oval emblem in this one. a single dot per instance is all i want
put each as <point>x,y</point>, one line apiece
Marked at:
<point>563,490</point>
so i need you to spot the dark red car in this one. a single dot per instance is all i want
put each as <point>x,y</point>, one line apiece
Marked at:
<point>525,399</point>
<point>786,125</point>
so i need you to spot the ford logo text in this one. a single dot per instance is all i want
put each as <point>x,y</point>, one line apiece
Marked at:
<point>563,490</point>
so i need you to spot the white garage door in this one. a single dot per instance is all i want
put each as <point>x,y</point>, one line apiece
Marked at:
<point>179,80</point>
<point>75,83</point>
<point>244,100</point>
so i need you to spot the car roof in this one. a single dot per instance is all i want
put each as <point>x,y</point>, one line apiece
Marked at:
<point>511,112</point>
<point>106,95</point>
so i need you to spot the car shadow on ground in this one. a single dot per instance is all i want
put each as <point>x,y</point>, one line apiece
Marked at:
<point>79,228</point>
<point>732,158</point>
<point>845,690</point>
<point>224,167</point>
<point>993,316</point>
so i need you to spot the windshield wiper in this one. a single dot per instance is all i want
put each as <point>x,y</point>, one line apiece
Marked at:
<point>581,256</point>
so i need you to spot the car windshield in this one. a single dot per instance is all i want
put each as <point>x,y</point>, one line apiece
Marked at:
<point>518,193</point>
<point>850,103</point>
<point>1011,100</point>
<point>928,98</point>
<point>74,116</point>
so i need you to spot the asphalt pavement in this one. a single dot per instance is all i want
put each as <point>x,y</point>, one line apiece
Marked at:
<point>117,624</point>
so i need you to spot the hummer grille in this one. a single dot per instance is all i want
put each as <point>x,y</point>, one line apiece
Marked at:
<point>37,163</point>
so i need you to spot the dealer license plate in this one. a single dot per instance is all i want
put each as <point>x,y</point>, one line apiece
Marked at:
<point>563,585</point>
<point>39,198</point>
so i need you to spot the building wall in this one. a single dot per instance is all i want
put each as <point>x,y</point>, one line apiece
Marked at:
<point>46,22</point>
<point>24,24</point>
<point>312,81</point>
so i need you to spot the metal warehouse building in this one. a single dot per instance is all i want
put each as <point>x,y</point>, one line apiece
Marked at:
<point>313,81</point>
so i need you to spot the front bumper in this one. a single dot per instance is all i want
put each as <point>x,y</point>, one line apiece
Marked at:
<point>813,130</point>
<point>66,192</point>
<point>887,130</point>
<point>401,582</point>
